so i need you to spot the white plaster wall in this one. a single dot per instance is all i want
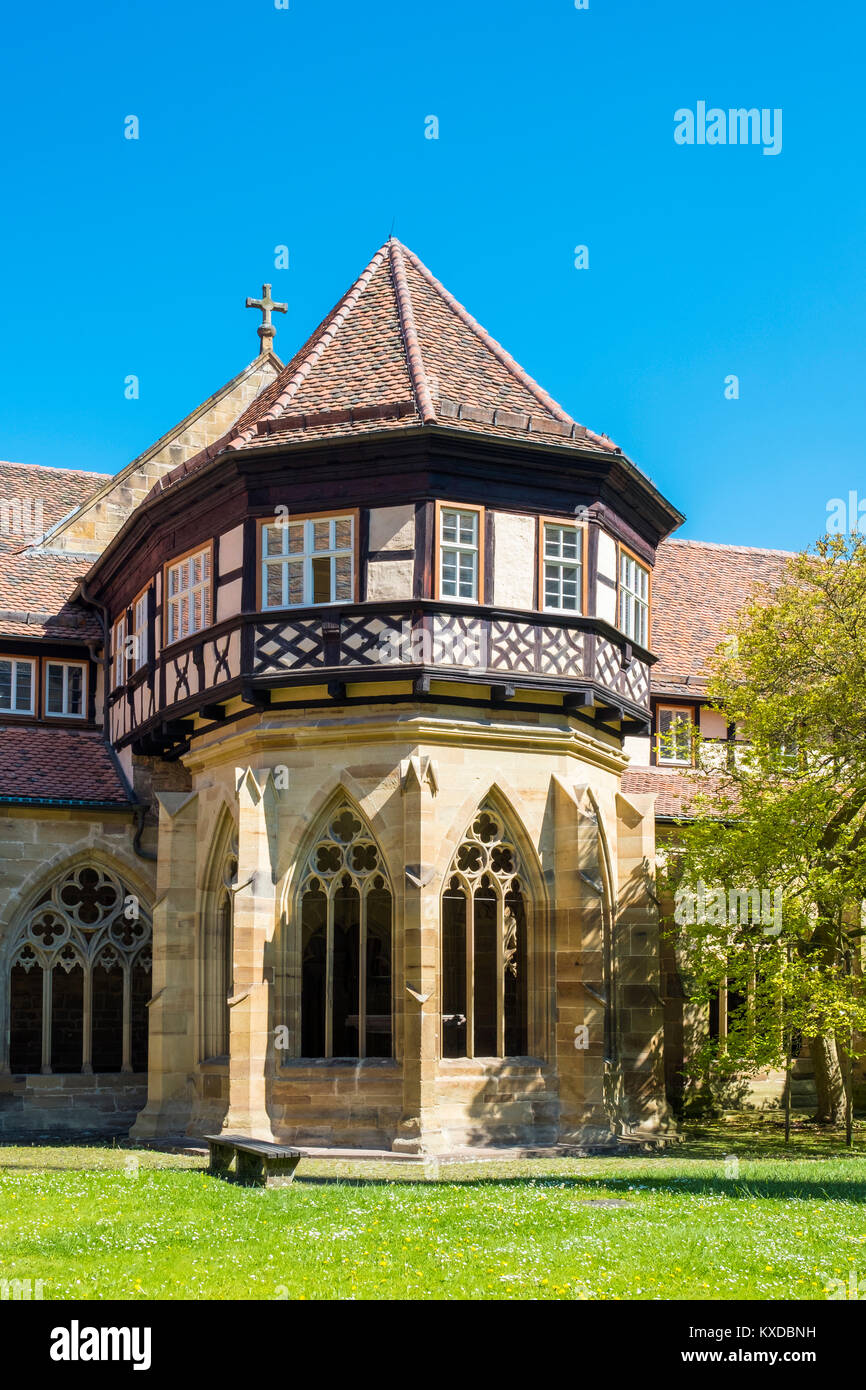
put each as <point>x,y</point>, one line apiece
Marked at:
<point>605,598</point>
<point>514,560</point>
<point>392,528</point>
<point>388,579</point>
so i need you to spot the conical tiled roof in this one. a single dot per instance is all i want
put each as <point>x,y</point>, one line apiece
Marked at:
<point>399,351</point>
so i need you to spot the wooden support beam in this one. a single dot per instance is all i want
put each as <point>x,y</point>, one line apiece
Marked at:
<point>215,712</point>
<point>255,696</point>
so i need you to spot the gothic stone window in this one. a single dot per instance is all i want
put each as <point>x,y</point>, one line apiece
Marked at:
<point>484,946</point>
<point>218,955</point>
<point>345,917</point>
<point>79,979</point>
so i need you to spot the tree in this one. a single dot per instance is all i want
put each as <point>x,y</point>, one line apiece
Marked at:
<point>770,902</point>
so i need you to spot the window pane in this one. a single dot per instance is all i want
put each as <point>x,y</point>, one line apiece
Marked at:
<point>346,972</point>
<point>321,535</point>
<point>344,533</point>
<point>449,526</point>
<point>75,690</point>
<point>378,1019</point>
<point>321,579</point>
<point>314,916</point>
<point>486,988</point>
<point>55,689</point>
<point>24,686</point>
<point>275,538</point>
<point>5,685</point>
<point>514,933</point>
<point>343,568</point>
<point>454,971</point>
<point>67,1019</point>
<point>295,570</point>
<point>296,537</point>
<point>274,585</point>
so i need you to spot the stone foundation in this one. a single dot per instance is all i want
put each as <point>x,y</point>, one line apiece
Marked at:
<point>69,1107</point>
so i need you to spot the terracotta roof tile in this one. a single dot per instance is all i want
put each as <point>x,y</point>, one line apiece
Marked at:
<point>35,588</point>
<point>675,791</point>
<point>58,765</point>
<point>398,343</point>
<point>698,589</point>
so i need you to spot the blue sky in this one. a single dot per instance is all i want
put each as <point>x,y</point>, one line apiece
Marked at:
<point>305,127</point>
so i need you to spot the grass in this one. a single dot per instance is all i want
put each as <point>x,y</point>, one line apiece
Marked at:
<point>725,1215</point>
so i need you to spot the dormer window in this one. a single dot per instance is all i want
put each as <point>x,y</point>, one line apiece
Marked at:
<point>459,567</point>
<point>674,736</point>
<point>17,686</point>
<point>634,589</point>
<point>66,689</point>
<point>188,588</point>
<point>561,567</point>
<point>308,561</point>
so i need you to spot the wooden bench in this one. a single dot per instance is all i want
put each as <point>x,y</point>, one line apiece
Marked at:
<point>257,1162</point>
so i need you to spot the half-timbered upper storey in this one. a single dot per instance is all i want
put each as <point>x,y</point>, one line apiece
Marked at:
<point>402,513</point>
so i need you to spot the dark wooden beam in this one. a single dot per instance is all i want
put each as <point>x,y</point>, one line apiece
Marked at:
<point>502,692</point>
<point>255,696</point>
<point>634,726</point>
<point>216,712</point>
<point>337,690</point>
<point>421,685</point>
<point>608,714</point>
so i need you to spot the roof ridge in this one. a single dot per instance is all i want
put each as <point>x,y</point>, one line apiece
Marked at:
<point>332,325</point>
<point>489,342</point>
<point>409,329</point>
<point>56,468</point>
<point>726,545</point>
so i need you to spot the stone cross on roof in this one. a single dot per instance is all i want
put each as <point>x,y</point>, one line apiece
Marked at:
<point>266,330</point>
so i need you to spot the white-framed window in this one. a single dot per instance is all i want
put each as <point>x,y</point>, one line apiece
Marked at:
<point>308,561</point>
<point>562,567</point>
<point>458,553</point>
<point>140,645</point>
<point>674,735</point>
<point>17,686</point>
<point>120,652</point>
<point>633,598</point>
<point>66,689</point>
<point>188,584</point>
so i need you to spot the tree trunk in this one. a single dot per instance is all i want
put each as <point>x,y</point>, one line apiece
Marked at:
<point>829,1083</point>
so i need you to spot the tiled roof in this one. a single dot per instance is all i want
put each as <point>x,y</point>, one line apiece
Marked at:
<point>34,588</point>
<point>66,765</point>
<point>674,791</point>
<point>698,589</point>
<point>398,351</point>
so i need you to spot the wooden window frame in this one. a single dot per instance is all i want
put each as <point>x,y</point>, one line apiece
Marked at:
<point>49,661</point>
<point>144,594</point>
<point>271,520</point>
<point>118,680</point>
<point>679,709</point>
<point>581,528</point>
<point>480,512</point>
<point>621,550</point>
<point>33,661</point>
<point>201,549</point>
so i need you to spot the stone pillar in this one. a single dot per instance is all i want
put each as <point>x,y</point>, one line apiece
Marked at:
<point>254,923</point>
<point>580,910</point>
<point>419,1130</point>
<point>172,1050</point>
<point>640,1012</point>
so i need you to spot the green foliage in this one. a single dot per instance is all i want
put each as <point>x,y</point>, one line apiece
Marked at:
<point>787,816</point>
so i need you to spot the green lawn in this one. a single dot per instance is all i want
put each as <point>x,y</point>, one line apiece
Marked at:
<point>124,1223</point>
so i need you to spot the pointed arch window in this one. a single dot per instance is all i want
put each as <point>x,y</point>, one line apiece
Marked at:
<point>345,910</point>
<point>218,954</point>
<point>80,978</point>
<point>485,997</point>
